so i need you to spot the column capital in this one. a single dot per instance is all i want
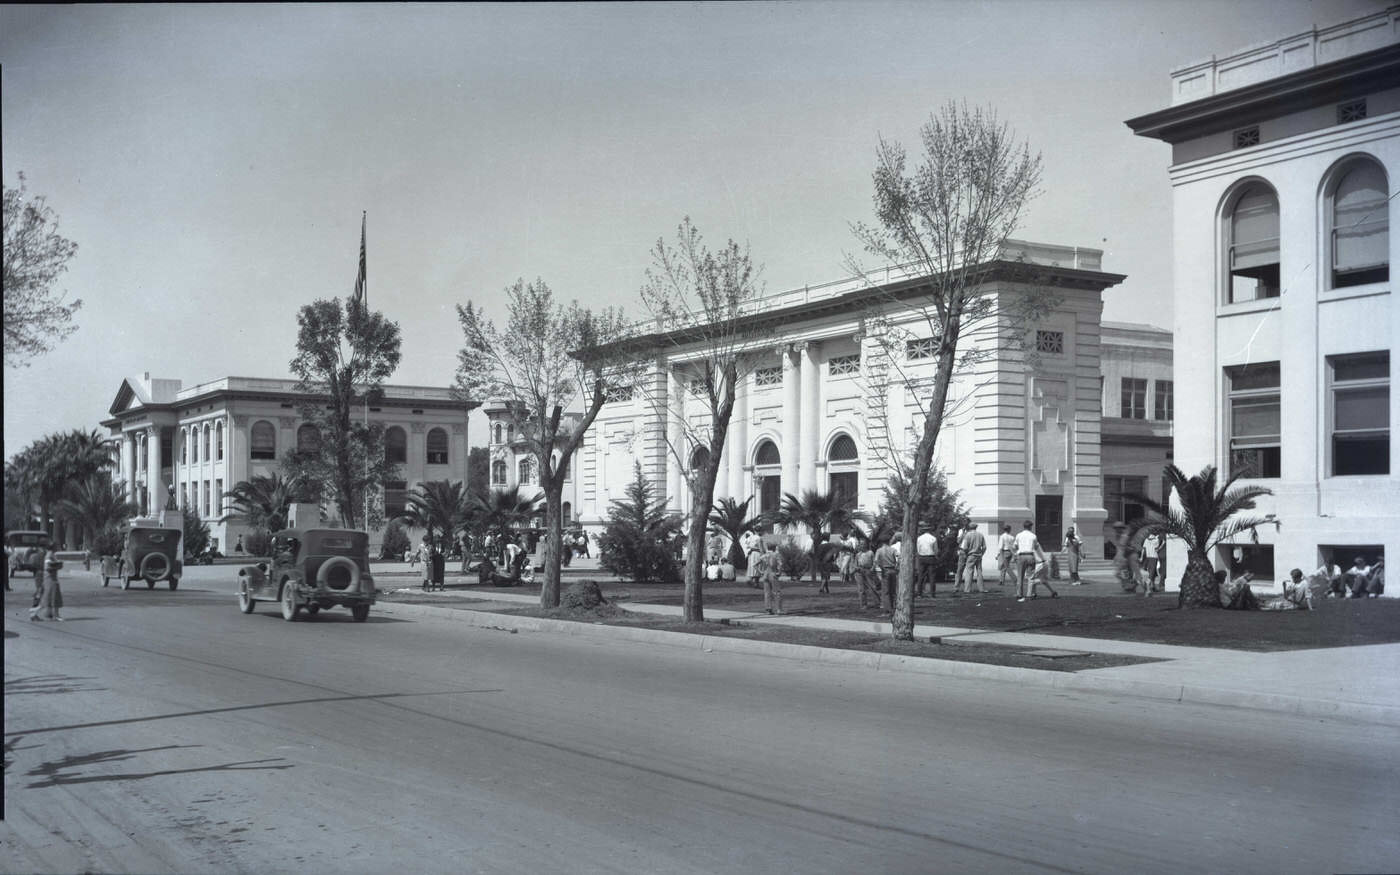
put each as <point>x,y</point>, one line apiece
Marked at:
<point>240,420</point>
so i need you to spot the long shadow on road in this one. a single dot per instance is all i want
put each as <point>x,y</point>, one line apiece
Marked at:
<point>54,773</point>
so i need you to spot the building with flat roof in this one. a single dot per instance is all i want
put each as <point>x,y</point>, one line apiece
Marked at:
<point>197,442</point>
<point>1135,365</point>
<point>1282,155</point>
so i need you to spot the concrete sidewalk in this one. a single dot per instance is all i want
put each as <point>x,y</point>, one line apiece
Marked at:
<point>1356,683</point>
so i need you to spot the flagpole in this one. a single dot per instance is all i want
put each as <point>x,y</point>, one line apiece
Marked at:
<point>364,302</point>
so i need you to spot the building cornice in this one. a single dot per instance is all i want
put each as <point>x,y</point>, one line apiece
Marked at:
<point>1316,86</point>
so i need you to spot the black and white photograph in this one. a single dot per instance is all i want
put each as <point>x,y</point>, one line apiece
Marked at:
<point>824,436</point>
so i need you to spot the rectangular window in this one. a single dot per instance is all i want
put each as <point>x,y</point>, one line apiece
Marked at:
<point>768,377</point>
<point>1246,137</point>
<point>844,365</point>
<point>921,348</point>
<point>1360,413</point>
<point>1133,398</point>
<point>395,498</point>
<point>1252,419</point>
<point>1050,342</point>
<point>205,504</point>
<point>219,495</point>
<point>617,393</point>
<point>1351,111</point>
<point>1119,508</point>
<point>1162,403</point>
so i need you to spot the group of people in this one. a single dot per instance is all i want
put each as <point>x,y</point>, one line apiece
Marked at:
<point>1140,566</point>
<point>1361,580</point>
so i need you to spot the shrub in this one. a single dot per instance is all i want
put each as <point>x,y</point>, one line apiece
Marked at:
<point>396,542</point>
<point>109,541</point>
<point>258,543</point>
<point>584,595</point>
<point>196,532</point>
<point>793,560</point>
<point>636,542</point>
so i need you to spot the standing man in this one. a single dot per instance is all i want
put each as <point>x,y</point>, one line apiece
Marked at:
<point>1159,546</point>
<point>887,568</point>
<point>1027,548</point>
<point>772,583</point>
<point>1006,556</point>
<point>972,546</point>
<point>1074,551</point>
<point>48,597</point>
<point>926,545</point>
<point>752,546</point>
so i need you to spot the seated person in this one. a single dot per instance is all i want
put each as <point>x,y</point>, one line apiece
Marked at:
<point>1299,591</point>
<point>726,570</point>
<point>1375,583</point>
<point>1355,578</point>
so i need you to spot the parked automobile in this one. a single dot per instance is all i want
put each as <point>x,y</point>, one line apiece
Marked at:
<point>25,550</point>
<point>152,554</point>
<point>312,569</point>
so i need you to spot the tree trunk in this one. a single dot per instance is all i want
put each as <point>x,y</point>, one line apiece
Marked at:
<point>1198,586</point>
<point>902,623</point>
<point>554,537</point>
<point>701,497</point>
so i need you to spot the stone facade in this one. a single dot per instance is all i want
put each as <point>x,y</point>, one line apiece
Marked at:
<point>1281,161</point>
<point>202,440</point>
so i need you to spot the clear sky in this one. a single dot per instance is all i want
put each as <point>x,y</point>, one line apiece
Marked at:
<point>212,162</point>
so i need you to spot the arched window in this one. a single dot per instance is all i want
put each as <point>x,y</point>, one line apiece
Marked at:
<point>308,439</point>
<point>767,454</point>
<point>262,442</point>
<point>843,449</point>
<point>141,452</point>
<point>1360,225</point>
<point>1253,244</point>
<point>437,446</point>
<point>207,436</point>
<point>395,445</point>
<point>498,473</point>
<point>566,513</point>
<point>194,445</point>
<point>500,432</point>
<point>699,459</point>
<point>219,441</point>
<point>843,469</point>
<point>184,446</point>
<point>526,469</point>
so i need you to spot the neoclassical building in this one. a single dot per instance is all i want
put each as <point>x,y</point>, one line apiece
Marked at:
<point>1281,161</point>
<point>202,440</point>
<point>1139,402</point>
<point>822,409</point>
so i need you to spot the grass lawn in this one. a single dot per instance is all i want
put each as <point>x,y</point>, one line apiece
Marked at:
<point>1091,611</point>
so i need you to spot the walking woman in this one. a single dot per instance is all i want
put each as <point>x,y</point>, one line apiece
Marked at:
<point>1074,551</point>
<point>49,598</point>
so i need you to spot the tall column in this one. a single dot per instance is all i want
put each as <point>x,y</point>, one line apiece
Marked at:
<point>811,417</point>
<point>236,453</point>
<point>738,443</point>
<point>674,411</point>
<point>128,464</point>
<point>792,422</point>
<point>155,487</point>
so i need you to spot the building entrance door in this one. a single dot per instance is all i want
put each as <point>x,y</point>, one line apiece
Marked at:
<point>770,494</point>
<point>1048,519</point>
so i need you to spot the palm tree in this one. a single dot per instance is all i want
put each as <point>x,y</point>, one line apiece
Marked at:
<point>438,506</point>
<point>821,513</point>
<point>95,504</point>
<point>730,517</point>
<point>1205,518</point>
<point>504,508</point>
<point>264,501</point>
<point>49,466</point>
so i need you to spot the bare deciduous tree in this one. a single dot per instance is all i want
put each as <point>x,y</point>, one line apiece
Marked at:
<point>36,316</point>
<point>941,223</point>
<point>706,301</point>
<point>547,357</point>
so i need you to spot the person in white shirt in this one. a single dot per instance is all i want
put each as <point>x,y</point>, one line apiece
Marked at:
<point>753,550</point>
<point>926,545</point>
<point>1006,557</point>
<point>1027,553</point>
<point>1074,551</point>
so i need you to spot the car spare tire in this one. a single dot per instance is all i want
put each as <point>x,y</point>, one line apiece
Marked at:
<point>154,566</point>
<point>340,574</point>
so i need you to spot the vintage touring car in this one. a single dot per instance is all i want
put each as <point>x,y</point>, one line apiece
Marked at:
<point>152,554</point>
<point>25,550</point>
<point>311,569</point>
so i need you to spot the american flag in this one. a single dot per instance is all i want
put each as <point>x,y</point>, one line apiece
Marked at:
<point>360,284</point>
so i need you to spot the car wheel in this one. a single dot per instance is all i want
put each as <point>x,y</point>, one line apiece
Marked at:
<point>126,583</point>
<point>174,583</point>
<point>290,608</point>
<point>245,598</point>
<point>359,612</point>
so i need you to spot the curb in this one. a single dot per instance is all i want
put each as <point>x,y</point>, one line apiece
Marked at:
<point>1298,706</point>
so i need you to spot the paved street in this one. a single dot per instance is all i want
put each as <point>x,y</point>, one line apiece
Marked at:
<point>159,731</point>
